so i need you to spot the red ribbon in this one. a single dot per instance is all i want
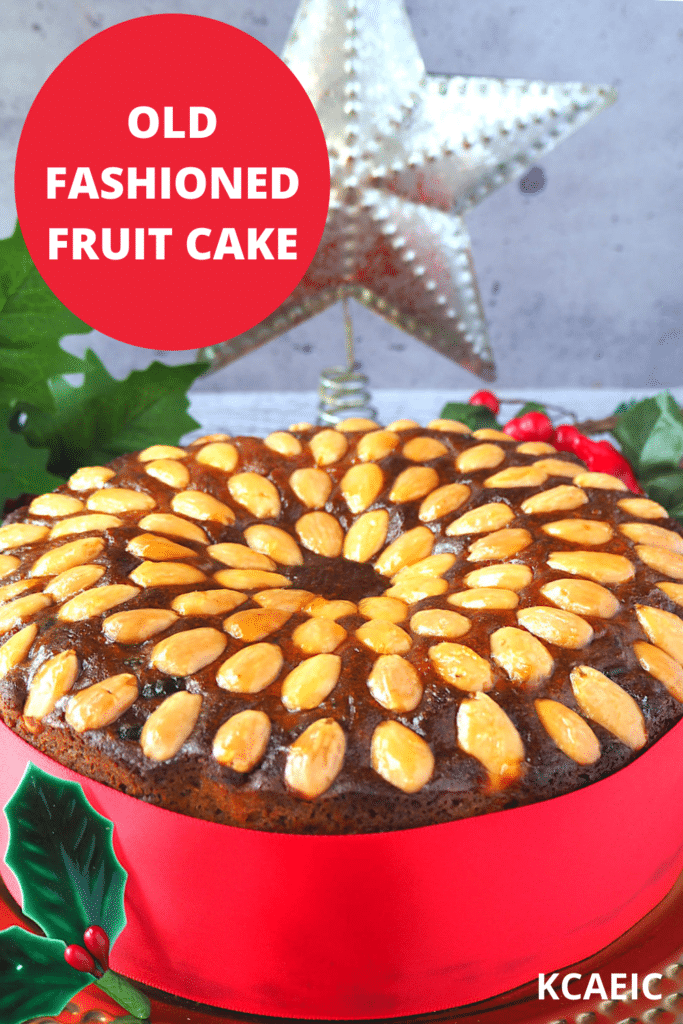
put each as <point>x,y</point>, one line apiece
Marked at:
<point>389,924</point>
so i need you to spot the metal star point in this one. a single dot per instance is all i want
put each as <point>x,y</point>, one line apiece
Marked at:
<point>410,153</point>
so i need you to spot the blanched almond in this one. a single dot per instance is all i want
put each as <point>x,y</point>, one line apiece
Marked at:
<point>384,637</point>
<point>432,565</point>
<point>558,499</point>
<point>165,574</point>
<point>184,653</point>
<point>501,544</point>
<point>8,563</point>
<point>95,601</point>
<point>67,556</point>
<point>300,427</point>
<point>521,656</point>
<point>16,612</point>
<point>328,447</point>
<point>241,742</point>
<point>461,667</point>
<point>102,703</point>
<point>148,545</point>
<point>410,547</point>
<point>483,519</point>
<point>367,535</point>
<point>315,758</point>
<point>55,505</point>
<point>334,610</point>
<point>389,608</point>
<point>662,666</point>
<point>401,757</point>
<point>535,448</point>
<point>12,590</point>
<point>488,434</point>
<point>556,626</point>
<point>167,728</point>
<point>573,736</point>
<point>53,680</point>
<point>442,501</point>
<point>197,505</point>
<point>361,484</point>
<point>413,589</point>
<point>646,533</point>
<point>355,423</point>
<point>485,598</point>
<point>395,683</point>
<point>273,542</point>
<point>643,507</point>
<point>579,531</point>
<point>674,591</point>
<point>137,625</point>
<point>414,483</point>
<point>311,486</point>
<point>95,522</point>
<point>318,636</point>
<point>285,600</point>
<point>251,670</point>
<point>509,577</point>
<point>424,449</point>
<point>661,560</point>
<point>207,602</point>
<point>173,526</point>
<point>206,438</point>
<point>602,481</point>
<point>663,629</point>
<point>308,685</point>
<point>90,477</point>
<point>15,535</point>
<point>250,579</point>
<point>609,705</point>
<point>439,622</point>
<point>15,650</point>
<point>218,455</point>
<point>449,426</point>
<point>162,451</point>
<point>73,580</point>
<point>377,445</point>
<point>239,556</point>
<point>487,734</point>
<point>169,472</point>
<point>255,624</point>
<point>582,597</point>
<point>405,425</point>
<point>321,533</point>
<point>283,443</point>
<point>256,493</point>
<point>595,565</point>
<point>479,456</point>
<point>559,467</point>
<point>120,499</point>
<point>517,476</point>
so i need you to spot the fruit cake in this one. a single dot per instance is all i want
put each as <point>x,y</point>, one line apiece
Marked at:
<point>342,630</point>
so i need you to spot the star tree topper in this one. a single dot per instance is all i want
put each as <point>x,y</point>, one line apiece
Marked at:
<point>410,152</point>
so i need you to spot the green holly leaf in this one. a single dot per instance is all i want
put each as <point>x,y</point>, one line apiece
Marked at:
<point>36,979</point>
<point>22,469</point>
<point>531,407</point>
<point>650,433</point>
<point>61,852</point>
<point>105,417</point>
<point>473,416</point>
<point>32,322</point>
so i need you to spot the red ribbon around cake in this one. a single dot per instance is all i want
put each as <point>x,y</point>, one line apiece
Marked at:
<point>388,924</point>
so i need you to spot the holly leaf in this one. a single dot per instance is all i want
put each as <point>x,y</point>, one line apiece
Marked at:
<point>22,469</point>
<point>35,978</point>
<point>473,416</point>
<point>650,433</point>
<point>61,852</point>
<point>531,407</point>
<point>32,322</point>
<point>105,417</point>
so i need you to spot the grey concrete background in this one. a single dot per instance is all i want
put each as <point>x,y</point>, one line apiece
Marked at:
<point>582,281</point>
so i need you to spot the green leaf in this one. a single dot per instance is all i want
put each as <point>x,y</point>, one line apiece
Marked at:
<point>61,851</point>
<point>32,322</point>
<point>22,469</point>
<point>650,433</point>
<point>473,416</point>
<point>531,407</point>
<point>35,979</point>
<point>103,418</point>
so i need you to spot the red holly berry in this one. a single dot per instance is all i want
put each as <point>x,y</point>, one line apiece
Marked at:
<point>532,426</point>
<point>80,959</point>
<point>486,398</point>
<point>97,942</point>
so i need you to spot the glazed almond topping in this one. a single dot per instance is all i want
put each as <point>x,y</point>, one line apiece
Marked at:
<point>328,605</point>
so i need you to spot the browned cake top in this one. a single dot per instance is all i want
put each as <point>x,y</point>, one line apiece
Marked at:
<point>342,630</point>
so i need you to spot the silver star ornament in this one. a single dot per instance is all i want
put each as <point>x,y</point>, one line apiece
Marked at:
<point>410,153</point>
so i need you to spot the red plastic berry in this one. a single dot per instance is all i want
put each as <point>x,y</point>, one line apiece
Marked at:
<point>80,959</point>
<point>532,426</point>
<point>486,398</point>
<point>97,942</point>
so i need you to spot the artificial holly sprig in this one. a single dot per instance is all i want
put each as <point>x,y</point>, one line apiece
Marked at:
<point>72,886</point>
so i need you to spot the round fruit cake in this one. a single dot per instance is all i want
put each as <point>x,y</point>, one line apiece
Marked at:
<point>342,631</point>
